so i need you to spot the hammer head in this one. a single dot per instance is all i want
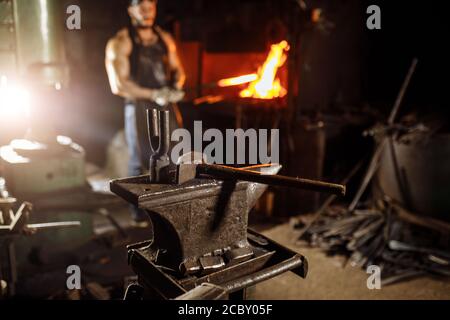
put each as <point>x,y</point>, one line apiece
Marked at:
<point>187,166</point>
<point>183,171</point>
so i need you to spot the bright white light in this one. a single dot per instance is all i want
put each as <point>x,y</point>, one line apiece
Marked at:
<point>14,100</point>
<point>8,154</point>
<point>23,144</point>
<point>66,141</point>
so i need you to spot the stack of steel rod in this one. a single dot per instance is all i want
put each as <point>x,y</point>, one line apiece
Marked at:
<point>403,245</point>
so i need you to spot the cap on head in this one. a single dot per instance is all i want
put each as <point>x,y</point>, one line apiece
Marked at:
<point>137,2</point>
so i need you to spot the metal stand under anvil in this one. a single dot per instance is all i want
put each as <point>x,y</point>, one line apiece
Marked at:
<point>200,236</point>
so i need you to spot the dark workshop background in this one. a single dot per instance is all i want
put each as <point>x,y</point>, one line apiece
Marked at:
<point>351,67</point>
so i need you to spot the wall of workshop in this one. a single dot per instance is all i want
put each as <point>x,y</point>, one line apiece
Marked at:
<point>331,58</point>
<point>350,65</point>
<point>409,29</point>
<point>351,68</point>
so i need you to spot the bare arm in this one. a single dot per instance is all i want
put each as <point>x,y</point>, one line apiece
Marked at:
<point>117,63</point>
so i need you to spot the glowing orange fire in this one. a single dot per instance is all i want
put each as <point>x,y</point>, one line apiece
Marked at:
<point>264,84</point>
<point>238,80</point>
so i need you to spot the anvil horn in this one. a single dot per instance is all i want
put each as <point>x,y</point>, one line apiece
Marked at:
<point>256,190</point>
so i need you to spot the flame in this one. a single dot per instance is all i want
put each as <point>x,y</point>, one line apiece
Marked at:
<point>267,86</point>
<point>237,80</point>
<point>264,84</point>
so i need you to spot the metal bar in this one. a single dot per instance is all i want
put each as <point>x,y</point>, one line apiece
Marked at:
<point>51,225</point>
<point>275,180</point>
<point>373,166</point>
<point>406,275</point>
<point>427,222</point>
<point>402,246</point>
<point>374,163</point>
<point>153,126</point>
<point>263,275</point>
<point>401,94</point>
<point>165,133</point>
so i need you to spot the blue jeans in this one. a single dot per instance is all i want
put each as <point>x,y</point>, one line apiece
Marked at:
<point>135,167</point>
<point>134,139</point>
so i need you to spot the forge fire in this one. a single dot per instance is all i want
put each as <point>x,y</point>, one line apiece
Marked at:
<point>264,84</point>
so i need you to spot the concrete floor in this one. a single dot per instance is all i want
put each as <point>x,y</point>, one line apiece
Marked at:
<point>327,279</point>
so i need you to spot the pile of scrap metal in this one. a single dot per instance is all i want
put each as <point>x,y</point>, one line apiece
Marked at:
<point>404,245</point>
<point>404,227</point>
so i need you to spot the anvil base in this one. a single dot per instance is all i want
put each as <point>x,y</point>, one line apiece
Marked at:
<point>270,259</point>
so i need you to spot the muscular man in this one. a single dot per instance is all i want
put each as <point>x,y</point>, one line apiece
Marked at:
<point>144,68</point>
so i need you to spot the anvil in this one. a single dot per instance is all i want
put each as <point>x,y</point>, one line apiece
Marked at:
<point>199,214</point>
<point>198,220</point>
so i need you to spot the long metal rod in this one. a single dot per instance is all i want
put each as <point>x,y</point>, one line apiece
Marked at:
<point>401,94</point>
<point>297,261</point>
<point>374,163</point>
<point>420,220</point>
<point>224,172</point>
<point>373,167</point>
<point>51,225</point>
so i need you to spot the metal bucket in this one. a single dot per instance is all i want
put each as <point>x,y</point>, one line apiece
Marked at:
<point>417,174</point>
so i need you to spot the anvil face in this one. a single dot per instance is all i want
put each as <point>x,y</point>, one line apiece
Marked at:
<point>197,219</point>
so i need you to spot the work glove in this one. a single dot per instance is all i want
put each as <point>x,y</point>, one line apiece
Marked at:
<point>167,95</point>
